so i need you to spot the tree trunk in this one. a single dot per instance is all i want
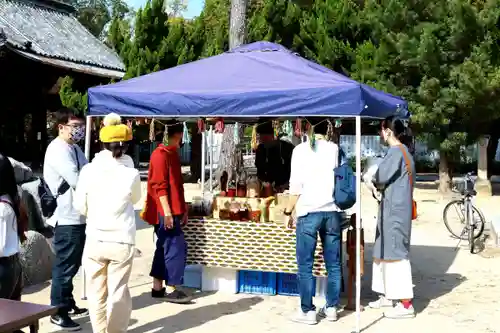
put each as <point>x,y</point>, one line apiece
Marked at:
<point>444,173</point>
<point>237,34</point>
<point>237,24</point>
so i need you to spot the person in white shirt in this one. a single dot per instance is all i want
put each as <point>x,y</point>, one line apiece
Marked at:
<point>62,164</point>
<point>13,224</point>
<point>311,195</point>
<point>106,192</point>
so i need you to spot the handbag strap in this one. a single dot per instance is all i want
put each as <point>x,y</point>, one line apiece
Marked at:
<point>407,163</point>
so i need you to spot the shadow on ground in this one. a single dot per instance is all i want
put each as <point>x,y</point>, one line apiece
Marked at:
<point>144,300</point>
<point>187,319</point>
<point>430,265</point>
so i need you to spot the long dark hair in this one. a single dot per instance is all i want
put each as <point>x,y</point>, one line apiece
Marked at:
<point>8,187</point>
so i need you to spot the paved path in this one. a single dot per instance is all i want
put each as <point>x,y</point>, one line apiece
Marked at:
<point>455,291</point>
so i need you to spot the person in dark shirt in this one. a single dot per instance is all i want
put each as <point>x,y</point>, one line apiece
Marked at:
<point>273,158</point>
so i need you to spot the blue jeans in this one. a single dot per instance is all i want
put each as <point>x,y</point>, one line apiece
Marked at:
<point>69,241</point>
<point>327,224</point>
<point>169,260</point>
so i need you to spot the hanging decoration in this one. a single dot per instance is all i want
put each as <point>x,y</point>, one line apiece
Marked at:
<point>276,127</point>
<point>298,128</point>
<point>338,123</point>
<point>287,128</point>
<point>254,143</point>
<point>330,131</point>
<point>201,125</point>
<point>165,135</point>
<point>219,126</point>
<point>236,133</point>
<point>310,135</point>
<point>152,130</point>
<point>185,134</point>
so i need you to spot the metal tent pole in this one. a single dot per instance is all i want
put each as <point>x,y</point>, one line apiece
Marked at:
<point>211,157</point>
<point>203,160</point>
<point>358,224</point>
<point>88,133</point>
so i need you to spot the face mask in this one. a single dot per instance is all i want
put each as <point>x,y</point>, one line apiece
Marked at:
<point>78,133</point>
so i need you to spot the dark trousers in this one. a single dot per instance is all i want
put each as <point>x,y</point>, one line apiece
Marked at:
<point>169,260</point>
<point>328,226</point>
<point>11,278</point>
<point>69,241</point>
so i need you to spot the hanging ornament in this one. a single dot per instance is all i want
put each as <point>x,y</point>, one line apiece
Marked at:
<point>201,125</point>
<point>338,123</point>
<point>287,128</point>
<point>298,128</point>
<point>165,135</point>
<point>219,125</point>
<point>254,143</point>
<point>310,135</point>
<point>276,127</point>
<point>185,134</point>
<point>152,130</point>
<point>330,132</point>
<point>236,134</point>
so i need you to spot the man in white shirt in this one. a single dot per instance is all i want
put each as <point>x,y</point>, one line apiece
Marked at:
<point>311,194</point>
<point>62,164</point>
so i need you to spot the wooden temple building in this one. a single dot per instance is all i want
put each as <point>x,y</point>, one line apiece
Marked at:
<point>41,41</point>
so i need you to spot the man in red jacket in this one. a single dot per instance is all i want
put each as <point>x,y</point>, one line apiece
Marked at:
<point>166,209</point>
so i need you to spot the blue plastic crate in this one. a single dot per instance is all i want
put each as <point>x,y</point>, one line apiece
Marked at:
<point>288,284</point>
<point>255,282</point>
<point>192,276</point>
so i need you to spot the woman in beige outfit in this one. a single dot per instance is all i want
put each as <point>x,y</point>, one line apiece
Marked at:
<point>107,190</point>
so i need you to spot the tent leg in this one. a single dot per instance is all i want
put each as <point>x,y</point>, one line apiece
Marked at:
<point>203,160</point>
<point>88,133</point>
<point>358,224</point>
<point>211,157</point>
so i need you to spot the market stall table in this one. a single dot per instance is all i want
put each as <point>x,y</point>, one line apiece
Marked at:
<point>15,315</point>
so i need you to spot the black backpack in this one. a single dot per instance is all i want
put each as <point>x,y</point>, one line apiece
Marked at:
<point>48,200</point>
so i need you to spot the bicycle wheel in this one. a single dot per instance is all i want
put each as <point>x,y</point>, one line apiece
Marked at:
<point>454,220</point>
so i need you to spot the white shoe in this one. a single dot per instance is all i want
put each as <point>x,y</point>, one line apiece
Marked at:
<point>302,317</point>
<point>400,312</point>
<point>329,314</point>
<point>382,302</point>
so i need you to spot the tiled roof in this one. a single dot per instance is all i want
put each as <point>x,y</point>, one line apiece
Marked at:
<point>53,33</point>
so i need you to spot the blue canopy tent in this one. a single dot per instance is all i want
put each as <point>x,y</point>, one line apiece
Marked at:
<point>255,80</point>
<point>261,79</point>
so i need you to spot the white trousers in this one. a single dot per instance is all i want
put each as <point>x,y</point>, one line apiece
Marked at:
<point>108,267</point>
<point>393,279</point>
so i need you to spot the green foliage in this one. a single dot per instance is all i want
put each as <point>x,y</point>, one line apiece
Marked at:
<point>71,98</point>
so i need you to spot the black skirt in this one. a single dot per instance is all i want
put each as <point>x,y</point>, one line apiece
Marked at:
<point>11,278</point>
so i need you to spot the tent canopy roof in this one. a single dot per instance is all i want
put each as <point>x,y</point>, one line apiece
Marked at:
<point>258,79</point>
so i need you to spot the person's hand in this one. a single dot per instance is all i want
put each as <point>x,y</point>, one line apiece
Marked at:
<point>184,219</point>
<point>289,222</point>
<point>168,222</point>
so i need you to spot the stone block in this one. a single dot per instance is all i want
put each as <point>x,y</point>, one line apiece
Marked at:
<point>36,256</point>
<point>495,231</point>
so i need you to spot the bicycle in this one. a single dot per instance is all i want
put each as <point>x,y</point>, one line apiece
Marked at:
<point>471,218</point>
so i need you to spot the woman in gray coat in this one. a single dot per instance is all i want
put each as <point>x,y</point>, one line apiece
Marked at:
<point>394,178</point>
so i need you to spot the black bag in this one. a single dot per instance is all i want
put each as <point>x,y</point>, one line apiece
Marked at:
<point>48,200</point>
